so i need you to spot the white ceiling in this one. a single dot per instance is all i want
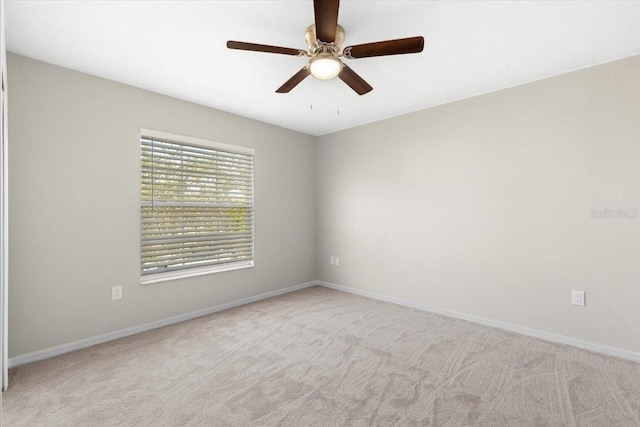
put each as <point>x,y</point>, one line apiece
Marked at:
<point>178,48</point>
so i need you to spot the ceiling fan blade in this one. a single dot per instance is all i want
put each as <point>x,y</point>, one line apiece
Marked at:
<point>388,47</point>
<point>294,81</point>
<point>326,14</point>
<point>354,81</point>
<point>231,44</point>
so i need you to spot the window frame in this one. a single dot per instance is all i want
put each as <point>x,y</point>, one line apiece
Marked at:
<point>195,271</point>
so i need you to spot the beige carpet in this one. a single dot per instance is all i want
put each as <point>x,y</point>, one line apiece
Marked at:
<point>324,358</point>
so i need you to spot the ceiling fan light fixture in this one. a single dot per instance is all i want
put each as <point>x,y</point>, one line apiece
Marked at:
<point>325,66</point>
<point>325,39</point>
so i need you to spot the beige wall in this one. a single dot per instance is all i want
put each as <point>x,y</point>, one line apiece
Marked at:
<point>482,206</point>
<point>74,206</point>
<point>479,206</point>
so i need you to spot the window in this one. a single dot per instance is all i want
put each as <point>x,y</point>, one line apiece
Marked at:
<point>196,207</point>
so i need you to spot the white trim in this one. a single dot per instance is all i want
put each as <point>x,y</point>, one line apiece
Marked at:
<point>88,342</point>
<point>536,333</point>
<point>4,205</point>
<point>192,272</point>
<point>181,139</point>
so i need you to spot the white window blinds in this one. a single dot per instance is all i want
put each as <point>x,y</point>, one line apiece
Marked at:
<point>197,207</point>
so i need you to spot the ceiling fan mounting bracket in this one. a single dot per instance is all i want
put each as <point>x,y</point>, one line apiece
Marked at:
<point>314,44</point>
<point>322,48</point>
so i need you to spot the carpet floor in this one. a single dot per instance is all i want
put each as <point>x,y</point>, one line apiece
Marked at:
<point>319,357</point>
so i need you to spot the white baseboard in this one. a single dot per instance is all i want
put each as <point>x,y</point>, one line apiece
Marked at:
<point>536,333</point>
<point>88,342</point>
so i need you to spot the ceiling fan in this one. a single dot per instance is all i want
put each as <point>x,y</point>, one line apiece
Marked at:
<point>325,39</point>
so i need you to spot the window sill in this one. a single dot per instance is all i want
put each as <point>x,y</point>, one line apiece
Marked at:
<point>175,275</point>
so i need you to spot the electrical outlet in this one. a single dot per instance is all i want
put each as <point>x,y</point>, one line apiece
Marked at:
<point>577,297</point>
<point>332,260</point>
<point>116,292</point>
<point>337,260</point>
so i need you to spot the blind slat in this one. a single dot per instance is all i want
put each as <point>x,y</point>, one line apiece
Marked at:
<point>148,170</point>
<point>226,254</point>
<point>185,165</point>
<point>149,228</point>
<point>158,146</point>
<point>182,157</point>
<point>174,223</point>
<point>181,258</point>
<point>243,188</point>
<point>200,193</point>
<point>177,210</point>
<point>167,234</point>
<point>147,204</point>
<point>197,249</point>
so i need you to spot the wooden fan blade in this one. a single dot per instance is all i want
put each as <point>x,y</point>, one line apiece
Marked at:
<point>326,14</point>
<point>354,81</point>
<point>231,44</point>
<point>388,47</point>
<point>294,81</point>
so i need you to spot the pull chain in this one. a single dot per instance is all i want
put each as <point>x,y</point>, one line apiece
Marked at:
<point>337,98</point>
